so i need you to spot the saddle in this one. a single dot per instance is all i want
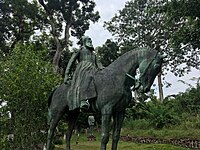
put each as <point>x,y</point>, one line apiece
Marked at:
<point>85,91</point>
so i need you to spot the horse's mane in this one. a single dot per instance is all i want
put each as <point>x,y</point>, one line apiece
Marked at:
<point>134,52</point>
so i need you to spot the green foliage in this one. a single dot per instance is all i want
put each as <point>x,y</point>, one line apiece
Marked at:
<point>69,17</point>
<point>182,111</point>
<point>76,15</point>
<point>172,27</point>
<point>184,14</point>
<point>166,133</point>
<point>190,101</point>
<point>22,20</point>
<point>26,81</point>
<point>138,24</point>
<point>108,52</point>
<point>135,111</point>
<point>187,102</point>
<point>18,21</point>
<point>161,115</point>
<point>183,18</point>
<point>189,122</point>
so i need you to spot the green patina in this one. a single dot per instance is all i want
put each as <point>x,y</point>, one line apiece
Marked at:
<point>108,90</point>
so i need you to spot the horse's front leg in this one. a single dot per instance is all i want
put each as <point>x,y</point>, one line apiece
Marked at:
<point>118,118</point>
<point>73,116</point>
<point>54,118</point>
<point>105,128</point>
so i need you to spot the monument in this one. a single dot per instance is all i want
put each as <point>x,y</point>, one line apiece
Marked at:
<point>109,93</point>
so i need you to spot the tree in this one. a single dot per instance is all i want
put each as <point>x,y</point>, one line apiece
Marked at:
<point>162,25</point>
<point>71,17</point>
<point>183,17</point>
<point>26,81</point>
<point>189,101</point>
<point>139,24</point>
<point>18,21</point>
<point>108,52</point>
<point>21,20</point>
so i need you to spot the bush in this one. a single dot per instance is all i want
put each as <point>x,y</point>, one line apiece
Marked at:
<point>160,115</point>
<point>137,124</point>
<point>190,122</point>
<point>26,80</point>
<point>189,102</point>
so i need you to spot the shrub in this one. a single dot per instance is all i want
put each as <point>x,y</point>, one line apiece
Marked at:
<point>161,116</point>
<point>136,124</point>
<point>26,80</point>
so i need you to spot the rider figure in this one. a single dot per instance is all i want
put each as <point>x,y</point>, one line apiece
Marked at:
<point>82,85</point>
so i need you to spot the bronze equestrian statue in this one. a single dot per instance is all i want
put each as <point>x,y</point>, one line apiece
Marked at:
<point>110,96</point>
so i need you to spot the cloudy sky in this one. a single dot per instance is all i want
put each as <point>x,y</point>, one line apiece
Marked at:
<point>99,35</point>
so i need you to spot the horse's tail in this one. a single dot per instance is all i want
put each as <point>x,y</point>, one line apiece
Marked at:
<point>49,103</point>
<point>50,97</point>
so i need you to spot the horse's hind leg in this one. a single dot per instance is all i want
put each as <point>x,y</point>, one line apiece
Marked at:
<point>105,127</point>
<point>118,118</point>
<point>72,118</point>
<point>54,118</point>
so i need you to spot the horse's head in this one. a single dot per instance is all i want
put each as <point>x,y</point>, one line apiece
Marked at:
<point>149,68</point>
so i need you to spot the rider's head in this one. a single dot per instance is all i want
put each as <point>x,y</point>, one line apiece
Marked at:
<point>87,42</point>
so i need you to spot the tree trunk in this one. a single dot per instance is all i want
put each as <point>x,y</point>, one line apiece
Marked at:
<point>59,46</point>
<point>57,56</point>
<point>160,87</point>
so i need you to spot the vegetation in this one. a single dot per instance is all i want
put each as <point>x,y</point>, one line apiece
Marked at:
<point>108,52</point>
<point>160,24</point>
<point>174,114</point>
<point>34,38</point>
<point>26,81</point>
<point>91,145</point>
<point>18,22</point>
<point>71,17</point>
<point>22,20</point>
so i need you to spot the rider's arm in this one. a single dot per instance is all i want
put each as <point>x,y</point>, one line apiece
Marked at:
<point>98,63</point>
<point>70,63</point>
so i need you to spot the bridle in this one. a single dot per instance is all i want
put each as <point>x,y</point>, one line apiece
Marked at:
<point>138,81</point>
<point>144,72</point>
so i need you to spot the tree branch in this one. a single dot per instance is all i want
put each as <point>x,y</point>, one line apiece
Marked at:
<point>57,55</point>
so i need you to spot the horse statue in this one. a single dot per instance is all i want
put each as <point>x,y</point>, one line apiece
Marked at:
<point>113,86</point>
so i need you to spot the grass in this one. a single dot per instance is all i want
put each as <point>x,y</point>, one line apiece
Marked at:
<point>95,145</point>
<point>164,133</point>
<point>141,128</point>
<point>187,129</point>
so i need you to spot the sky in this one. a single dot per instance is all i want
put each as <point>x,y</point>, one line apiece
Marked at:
<point>99,35</point>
